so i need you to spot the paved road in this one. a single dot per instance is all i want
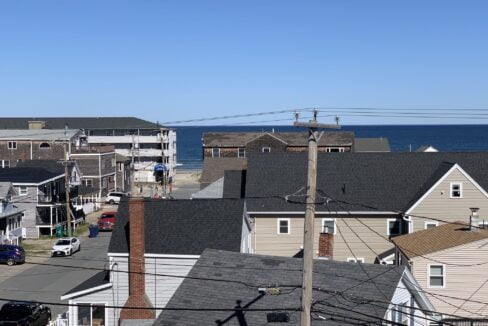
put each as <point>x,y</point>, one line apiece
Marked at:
<point>48,282</point>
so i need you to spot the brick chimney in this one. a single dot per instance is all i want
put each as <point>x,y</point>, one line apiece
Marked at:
<point>137,280</point>
<point>326,244</point>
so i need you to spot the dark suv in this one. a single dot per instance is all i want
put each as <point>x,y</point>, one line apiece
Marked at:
<point>16,313</point>
<point>11,254</point>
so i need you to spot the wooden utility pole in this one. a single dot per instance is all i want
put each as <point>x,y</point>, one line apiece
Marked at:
<point>67,188</point>
<point>308,232</point>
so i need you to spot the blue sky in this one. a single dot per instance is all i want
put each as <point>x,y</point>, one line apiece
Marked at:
<point>167,61</point>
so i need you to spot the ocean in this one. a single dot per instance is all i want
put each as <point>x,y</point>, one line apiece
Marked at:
<point>457,138</point>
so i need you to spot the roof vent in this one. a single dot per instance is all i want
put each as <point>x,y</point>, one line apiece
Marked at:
<point>278,317</point>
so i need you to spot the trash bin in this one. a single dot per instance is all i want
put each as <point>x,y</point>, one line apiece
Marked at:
<point>59,231</point>
<point>93,228</point>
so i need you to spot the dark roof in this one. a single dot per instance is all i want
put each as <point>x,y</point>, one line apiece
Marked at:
<point>184,227</point>
<point>121,158</point>
<point>240,139</point>
<point>371,145</point>
<point>386,181</point>
<point>54,166</point>
<point>98,279</point>
<point>438,238</point>
<point>27,175</point>
<point>240,275</point>
<point>80,123</point>
<point>214,167</point>
<point>234,184</point>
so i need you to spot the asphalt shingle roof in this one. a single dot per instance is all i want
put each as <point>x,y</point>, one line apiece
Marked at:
<point>5,189</point>
<point>371,145</point>
<point>214,167</point>
<point>49,165</point>
<point>438,238</point>
<point>27,175</point>
<point>98,279</point>
<point>385,181</point>
<point>223,280</point>
<point>234,184</point>
<point>184,227</point>
<point>37,134</point>
<point>80,123</point>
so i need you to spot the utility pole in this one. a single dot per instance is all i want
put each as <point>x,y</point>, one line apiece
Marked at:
<point>313,126</point>
<point>66,181</point>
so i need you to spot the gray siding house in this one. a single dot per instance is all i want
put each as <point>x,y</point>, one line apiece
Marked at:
<point>169,236</point>
<point>10,216</point>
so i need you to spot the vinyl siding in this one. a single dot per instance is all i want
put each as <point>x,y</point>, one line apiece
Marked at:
<point>460,281</point>
<point>403,295</point>
<point>267,241</point>
<point>439,204</point>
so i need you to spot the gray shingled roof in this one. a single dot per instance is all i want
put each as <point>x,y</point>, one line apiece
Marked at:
<point>207,287</point>
<point>214,167</point>
<point>98,279</point>
<point>234,184</point>
<point>184,227</point>
<point>371,145</point>
<point>213,190</point>
<point>27,175</point>
<point>239,139</point>
<point>80,123</point>
<point>388,181</point>
<point>37,134</point>
<point>54,166</point>
<point>5,189</point>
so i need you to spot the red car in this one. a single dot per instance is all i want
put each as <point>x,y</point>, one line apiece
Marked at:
<point>106,221</point>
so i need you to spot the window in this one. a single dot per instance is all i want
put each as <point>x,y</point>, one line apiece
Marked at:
<point>44,145</point>
<point>430,225</point>
<point>22,190</point>
<point>4,163</point>
<point>91,314</point>
<point>266,150</point>
<point>241,152</point>
<point>120,166</point>
<point>334,149</point>
<point>393,228</point>
<point>402,313</point>
<point>87,182</point>
<point>215,152</point>
<point>328,223</point>
<point>355,260</point>
<point>437,276</point>
<point>283,226</point>
<point>456,190</point>
<point>12,145</point>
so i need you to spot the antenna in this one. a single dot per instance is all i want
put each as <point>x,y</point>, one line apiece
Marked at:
<point>297,115</point>
<point>337,119</point>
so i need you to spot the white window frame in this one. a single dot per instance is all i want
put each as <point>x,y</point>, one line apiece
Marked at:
<point>268,149</point>
<point>105,304</point>
<point>43,147</point>
<point>444,277</point>
<point>435,223</point>
<point>388,226</point>
<point>23,193</point>
<point>239,152</point>
<point>213,149</point>
<point>12,145</point>
<point>5,165</point>
<point>355,259</point>
<point>328,219</point>
<point>85,182</point>
<point>288,220</point>
<point>460,189</point>
<point>339,150</point>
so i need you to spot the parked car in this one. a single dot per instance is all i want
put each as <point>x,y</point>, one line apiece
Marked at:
<point>115,197</point>
<point>106,221</point>
<point>15,313</point>
<point>11,254</point>
<point>66,247</point>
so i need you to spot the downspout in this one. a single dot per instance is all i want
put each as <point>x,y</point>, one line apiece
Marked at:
<point>31,150</point>
<point>410,222</point>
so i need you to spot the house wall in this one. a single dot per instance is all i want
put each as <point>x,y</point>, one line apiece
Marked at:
<point>266,240</point>
<point>439,205</point>
<point>403,295</point>
<point>266,140</point>
<point>460,281</point>
<point>122,179</point>
<point>160,286</point>
<point>98,167</point>
<point>27,150</point>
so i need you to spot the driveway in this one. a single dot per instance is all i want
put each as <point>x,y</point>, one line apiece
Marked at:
<point>47,282</point>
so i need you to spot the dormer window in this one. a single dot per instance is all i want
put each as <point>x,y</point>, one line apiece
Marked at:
<point>266,149</point>
<point>45,145</point>
<point>456,190</point>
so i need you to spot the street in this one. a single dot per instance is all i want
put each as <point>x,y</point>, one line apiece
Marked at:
<point>46,280</point>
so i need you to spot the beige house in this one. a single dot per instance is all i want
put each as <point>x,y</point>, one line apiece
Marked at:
<point>364,199</point>
<point>449,262</point>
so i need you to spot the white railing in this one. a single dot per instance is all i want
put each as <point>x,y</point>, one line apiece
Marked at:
<point>59,322</point>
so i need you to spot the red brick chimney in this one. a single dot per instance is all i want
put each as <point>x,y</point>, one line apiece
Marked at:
<point>326,244</point>
<point>137,280</point>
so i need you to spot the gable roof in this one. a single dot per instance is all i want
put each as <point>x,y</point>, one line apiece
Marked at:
<point>213,190</point>
<point>298,138</point>
<point>388,182</point>
<point>80,123</point>
<point>234,184</point>
<point>37,134</point>
<point>238,277</point>
<point>98,280</point>
<point>214,167</point>
<point>5,189</point>
<point>441,237</point>
<point>183,227</point>
<point>27,175</point>
<point>54,166</point>
<point>371,145</point>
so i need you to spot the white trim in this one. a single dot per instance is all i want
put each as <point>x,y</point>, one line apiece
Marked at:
<point>388,226</point>
<point>86,291</point>
<point>98,176</point>
<point>460,184</point>
<point>388,260</point>
<point>455,166</point>
<point>329,219</point>
<point>265,147</point>
<point>278,221</point>
<point>416,290</point>
<point>269,134</point>
<point>355,260</point>
<point>436,223</point>
<point>92,154</point>
<point>444,278</point>
<point>113,254</point>
<point>323,213</point>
